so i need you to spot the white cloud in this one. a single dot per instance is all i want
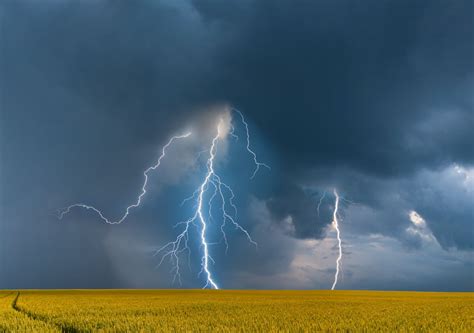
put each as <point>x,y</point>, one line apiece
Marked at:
<point>419,228</point>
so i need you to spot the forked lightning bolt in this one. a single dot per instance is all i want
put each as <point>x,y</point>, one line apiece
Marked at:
<point>224,193</point>
<point>335,223</point>
<point>212,188</point>
<point>66,210</point>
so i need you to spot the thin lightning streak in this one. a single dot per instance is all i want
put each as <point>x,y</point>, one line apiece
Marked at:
<point>66,210</point>
<point>232,133</point>
<point>220,190</point>
<point>335,223</point>
<point>198,155</point>
<point>251,152</point>
<point>321,201</point>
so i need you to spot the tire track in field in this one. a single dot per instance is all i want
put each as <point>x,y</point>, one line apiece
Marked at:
<point>62,327</point>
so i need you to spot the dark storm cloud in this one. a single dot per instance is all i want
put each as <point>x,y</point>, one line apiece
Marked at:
<point>89,91</point>
<point>120,57</point>
<point>362,96</point>
<point>361,82</point>
<point>383,89</point>
<point>381,205</point>
<point>296,211</point>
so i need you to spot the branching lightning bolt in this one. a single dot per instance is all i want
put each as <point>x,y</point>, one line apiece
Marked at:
<point>180,244</point>
<point>335,223</point>
<point>212,188</point>
<point>218,189</point>
<point>66,210</point>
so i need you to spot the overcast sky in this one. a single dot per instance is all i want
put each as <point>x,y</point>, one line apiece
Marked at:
<point>373,98</point>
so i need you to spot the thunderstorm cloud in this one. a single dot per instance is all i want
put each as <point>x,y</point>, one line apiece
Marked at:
<point>374,99</point>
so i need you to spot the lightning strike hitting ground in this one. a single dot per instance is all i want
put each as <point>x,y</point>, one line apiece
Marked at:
<point>209,190</point>
<point>66,210</point>
<point>335,223</point>
<point>173,250</point>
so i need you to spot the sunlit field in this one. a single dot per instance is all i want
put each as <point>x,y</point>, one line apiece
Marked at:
<point>234,311</point>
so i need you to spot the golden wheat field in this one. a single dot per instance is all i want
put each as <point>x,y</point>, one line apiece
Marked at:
<point>234,311</point>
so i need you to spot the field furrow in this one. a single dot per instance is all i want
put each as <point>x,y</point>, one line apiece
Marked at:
<point>12,320</point>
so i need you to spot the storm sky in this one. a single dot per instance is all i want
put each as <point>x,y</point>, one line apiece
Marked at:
<point>374,98</point>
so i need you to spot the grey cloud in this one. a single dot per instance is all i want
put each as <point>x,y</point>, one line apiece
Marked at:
<point>296,210</point>
<point>373,98</point>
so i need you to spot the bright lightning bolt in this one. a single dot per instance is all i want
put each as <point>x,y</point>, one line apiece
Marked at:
<point>224,192</point>
<point>66,210</point>
<point>335,223</point>
<point>212,188</point>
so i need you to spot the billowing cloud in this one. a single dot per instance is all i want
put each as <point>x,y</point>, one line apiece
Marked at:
<point>374,99</point>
